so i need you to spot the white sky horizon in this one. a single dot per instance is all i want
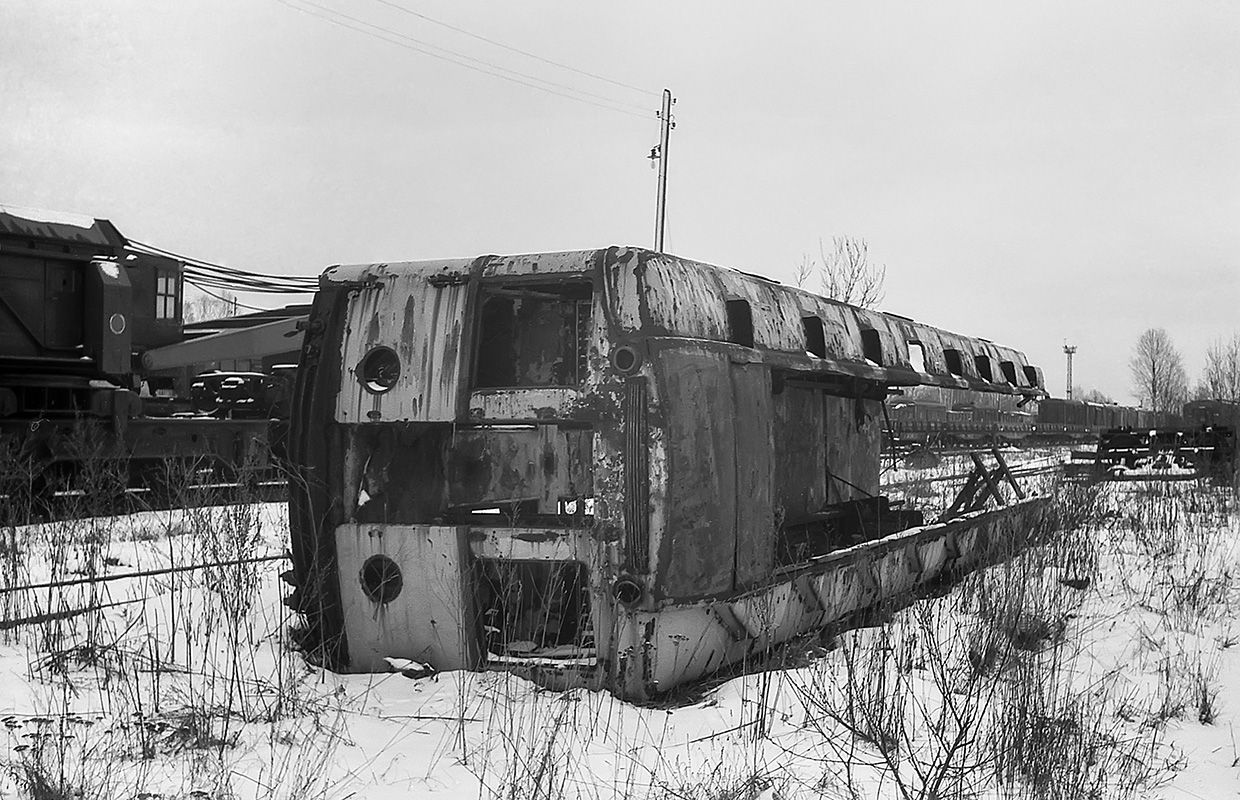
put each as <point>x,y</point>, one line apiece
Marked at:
<point>1029,174</point>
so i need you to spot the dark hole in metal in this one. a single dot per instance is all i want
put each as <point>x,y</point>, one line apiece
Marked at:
<point>533,336</point>
<point>815,336</point>
<point>625,359</point>
<point>740,323</point>
<point>381,579</point>
<point>626,591</point>
<point>954,365</point>
<point>872,346</point>
<point>533,607</point>
<point>379,370</point>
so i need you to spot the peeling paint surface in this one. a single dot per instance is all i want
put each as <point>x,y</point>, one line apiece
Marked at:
<point>699,547</point>
<point>424,325</point>
<point>524,404</point>
<point>631,433</point>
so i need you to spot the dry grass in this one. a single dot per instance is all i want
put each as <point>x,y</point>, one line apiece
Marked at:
<point>189,688</point>
<point>134,681</point>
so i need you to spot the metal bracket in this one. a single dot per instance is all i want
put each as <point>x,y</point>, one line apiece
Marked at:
<point>983,484</point>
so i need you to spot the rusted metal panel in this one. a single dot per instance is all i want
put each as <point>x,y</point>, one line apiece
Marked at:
<point>692,445</point>
<point>439,272</point>
<point>682,298</point>
<point>755,517</point>
<point>891,349</point>
<point>658,650</point>
<point>853,429</point>
<point>622,289</point>
<point>842,333</point>
<point>698,550</point>
<point>636,464</point>
<point>487,467</point>
<point>396,473</point>
<point>400,308</point>
<point>430,615</point>
<point>666,296</point>
<point>799,454</point>
<point>542,402</point>
<point>531,265</point>
<point>775,324</point>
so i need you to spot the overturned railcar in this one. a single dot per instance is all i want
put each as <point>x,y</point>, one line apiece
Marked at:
<point>614,468</point>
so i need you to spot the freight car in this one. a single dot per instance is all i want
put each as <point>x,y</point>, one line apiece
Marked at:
<point>1212,413</point>
<point>79,306</point>
<point>1200,442</point>
<point>615,468</point>
<point>930,415</point>
<point>1075,419</point>
<point>921,420</point>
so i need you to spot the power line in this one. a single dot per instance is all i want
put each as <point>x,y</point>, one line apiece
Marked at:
<point>205,274</point>
<point>242,282</point>
<point>534,56</point>
<point>232,302</point>
<point>452,57</point>
<point>220,268</point>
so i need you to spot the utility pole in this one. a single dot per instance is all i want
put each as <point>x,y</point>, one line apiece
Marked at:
<point>660,152</point>
<point>1069,350</point>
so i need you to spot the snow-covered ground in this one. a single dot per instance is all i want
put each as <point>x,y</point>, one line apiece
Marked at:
<point>1103,664</point>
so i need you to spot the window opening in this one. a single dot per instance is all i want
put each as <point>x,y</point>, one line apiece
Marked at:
<point>917,356</point>
<point>954,365</point>
<point>815,336</point>
<point>872,346</point>
<point>740,323</point>
<point>1031,375</point>
<point>167,294</point>
<point>535,609</point>
<point>983,367</point>
<point>1009,372</point>
<point>533,336</point>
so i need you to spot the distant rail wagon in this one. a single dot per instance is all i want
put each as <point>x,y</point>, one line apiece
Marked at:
<point>613,468</point>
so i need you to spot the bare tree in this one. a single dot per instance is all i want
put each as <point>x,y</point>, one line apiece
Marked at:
<point>1158,372</point>
<point>204,307</point>
<point>846,272</point>
<point>1220,380</point>
<point>1091,395</point>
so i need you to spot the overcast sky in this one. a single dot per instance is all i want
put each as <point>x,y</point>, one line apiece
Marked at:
<point>1028,172</point>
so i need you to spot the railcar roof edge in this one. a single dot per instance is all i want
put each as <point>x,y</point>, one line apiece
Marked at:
<point>567,262</point>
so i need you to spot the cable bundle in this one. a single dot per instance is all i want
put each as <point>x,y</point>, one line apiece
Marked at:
<point>207,275</point>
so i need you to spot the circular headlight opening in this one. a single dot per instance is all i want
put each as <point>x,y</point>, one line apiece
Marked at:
<point>627,591</point>
<point>381,579</point>
<point>625,359</point>
<point>116,324</point>
<point>379,370</point>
